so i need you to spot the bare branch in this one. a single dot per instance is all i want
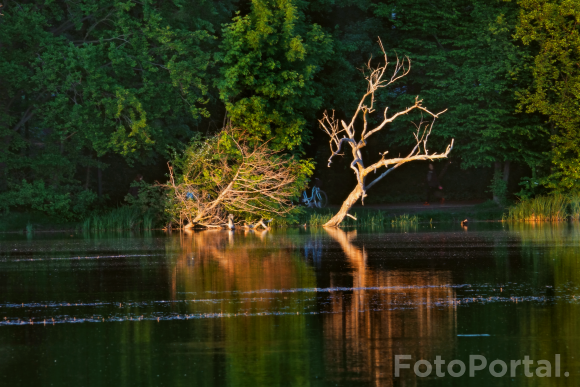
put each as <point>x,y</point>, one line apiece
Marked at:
<point>28,114</point>
<point>400,161</point>
<point>376,80</point>
<point>215,182</point>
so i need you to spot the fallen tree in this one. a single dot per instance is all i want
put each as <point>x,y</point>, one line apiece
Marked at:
<point>357,138</point>
<point>224,179</point>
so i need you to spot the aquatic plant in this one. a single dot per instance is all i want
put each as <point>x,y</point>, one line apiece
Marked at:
<point>541,208</point>
<point>361,218</point>
<point>575,207</point>
<point>317,220</point>
<point>367,218</point>
<point>122,218</point>
<point>405,220</point>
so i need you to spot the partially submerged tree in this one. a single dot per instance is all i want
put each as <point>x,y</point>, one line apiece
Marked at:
<point>340,132</point>
<point>224,177</point>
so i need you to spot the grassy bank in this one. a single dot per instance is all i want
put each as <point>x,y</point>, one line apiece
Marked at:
<point>122,218</point>
<point>130,218</point>
<point>552,208</point>
<point>378,217</point>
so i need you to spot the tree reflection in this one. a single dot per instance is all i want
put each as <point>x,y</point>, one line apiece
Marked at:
<point>292,307</point>
<point>369,326</point>
<point>249,277</point>
<point>551,254</point>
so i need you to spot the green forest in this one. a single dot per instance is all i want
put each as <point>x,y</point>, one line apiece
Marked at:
<point>94,92</point>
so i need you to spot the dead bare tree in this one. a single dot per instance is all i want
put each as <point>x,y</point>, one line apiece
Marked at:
<point>340,133</point>
<point>225,177</point>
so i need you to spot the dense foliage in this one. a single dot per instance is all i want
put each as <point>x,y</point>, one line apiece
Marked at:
<point>268,62</point>
<point>90,84</point>
<point>552,28</point>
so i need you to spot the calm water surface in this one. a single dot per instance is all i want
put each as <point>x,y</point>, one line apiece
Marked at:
<point>293,308</point>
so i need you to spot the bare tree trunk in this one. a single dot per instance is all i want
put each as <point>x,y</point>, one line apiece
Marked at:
<point>506,171</point>
<point>216,202</point>
<point>497,168</point>
<point>100,182</point>
<point>342,133</point>
<point>346,205</point>
<point>88,177</point>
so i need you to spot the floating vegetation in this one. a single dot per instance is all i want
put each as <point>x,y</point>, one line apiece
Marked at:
<point>405,220</point>
<point>544,208</point>
<point>122,218</point>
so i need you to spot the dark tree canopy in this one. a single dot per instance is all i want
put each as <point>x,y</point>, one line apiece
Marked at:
<point>90,84</point>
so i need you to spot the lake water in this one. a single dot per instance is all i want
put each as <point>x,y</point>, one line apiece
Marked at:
<point>294,308</point>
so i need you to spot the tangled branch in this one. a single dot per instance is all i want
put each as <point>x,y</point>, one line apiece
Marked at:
<point>225,175</point>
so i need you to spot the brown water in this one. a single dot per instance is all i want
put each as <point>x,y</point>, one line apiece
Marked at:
<point>296,307</point>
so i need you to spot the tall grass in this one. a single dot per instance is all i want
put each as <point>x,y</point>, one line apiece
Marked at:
<point>575,207</point>
<point>405,220</point>
<point>367,218</point>
<point>122,218</point>
<point>317,219</point>
<point>364,218</point>
<point>543,208</point>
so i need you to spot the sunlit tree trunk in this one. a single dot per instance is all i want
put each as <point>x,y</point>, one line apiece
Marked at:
<point>342,133</point>
<point>346,206</point>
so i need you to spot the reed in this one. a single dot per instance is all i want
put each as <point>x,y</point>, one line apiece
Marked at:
<point>367,218</point>
<point>318,219</point>
<point>362,218</point>
<point>575,207</point>
<point>541,209</point>
<point>405,220</point>
<point>122,218</point>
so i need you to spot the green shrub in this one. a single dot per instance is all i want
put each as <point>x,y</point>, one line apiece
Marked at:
<point>67,203</point>
<point>498,188</point>
<point>151,202</point>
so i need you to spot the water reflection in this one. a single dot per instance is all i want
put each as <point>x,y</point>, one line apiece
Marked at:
<point>551,252</point>
<point>256,265</point>
<point>292,307</point>
<point>369,327</point>
<point>263,285</point>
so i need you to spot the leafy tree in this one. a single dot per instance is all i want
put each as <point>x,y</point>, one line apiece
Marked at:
<point>268,63</point>
<point>552,29</point>
<point>89,78</point>
<point>464,58</point>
